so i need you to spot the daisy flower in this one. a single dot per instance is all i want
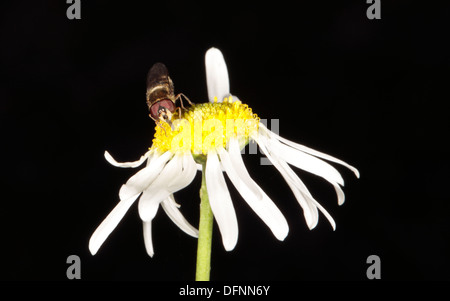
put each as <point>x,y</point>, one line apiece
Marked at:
<point>210,136</point>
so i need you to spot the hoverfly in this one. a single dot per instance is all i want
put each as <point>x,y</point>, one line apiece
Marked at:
<point>160,95</point>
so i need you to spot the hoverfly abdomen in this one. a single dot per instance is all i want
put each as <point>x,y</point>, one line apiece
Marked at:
<point>159,84</point>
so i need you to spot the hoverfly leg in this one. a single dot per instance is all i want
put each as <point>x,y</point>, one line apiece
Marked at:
<point>181,100</point>
<point>155,120</point>
<point>158,123</point>
<point>179,112</point>
<point>188,100</point>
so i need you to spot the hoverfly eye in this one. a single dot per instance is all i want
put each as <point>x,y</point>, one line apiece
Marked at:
<point>161,107</point>
<point>154,112</point>
<point>167,104</point>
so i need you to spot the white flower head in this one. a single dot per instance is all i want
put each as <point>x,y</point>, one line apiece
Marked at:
<point>216,132</point>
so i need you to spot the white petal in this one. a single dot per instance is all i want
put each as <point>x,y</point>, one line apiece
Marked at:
<point>200,167</point>
<point>308,150</point>
<point>216,75</point>
<point>149,202</point>
<point>327,215</point>
<point>187,175</point>
<point>312,203</point>
<point>298,183</point>
<point>137,163</point>
<point>141,180</point>
<point>300,191</point>
<point>170,207</point>
<point>263,140</point>
<point>220,202</point>
<point>238,165</point>
<point>340,194</point>
<point>109,224</point>
<point>162,187</point>
<point>306,162</point>
<point>147,229</point>
<point>153,156</point>
<point>259,202</point>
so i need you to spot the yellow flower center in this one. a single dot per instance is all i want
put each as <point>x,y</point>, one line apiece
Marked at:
<point>203,127</point>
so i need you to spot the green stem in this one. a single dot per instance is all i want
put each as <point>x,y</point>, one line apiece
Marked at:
<point>205,233</point>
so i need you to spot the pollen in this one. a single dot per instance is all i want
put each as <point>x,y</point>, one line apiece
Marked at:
<point>203,127</point>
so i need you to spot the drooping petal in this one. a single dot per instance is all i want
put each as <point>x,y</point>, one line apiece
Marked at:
<point>298,188</point>
<point>187,175</point>
<point>220,202</point>
<point>298,183</point>
<point>141,180</point>
<point>259,202</point>
<point>137,163</point>
<point>327,215</point>
<point>306,162</point>
<point>170,207</point>
<point>153,156</point>
<point>308,150</point>
<point>340,194</point>
<point>147,229</point>
<point>292,157</point>
<point>311,164</point>
<point>239,167</point>
<point>216,75</point>
<point>149,202</point>
<point>158,190</point>
<point>200,167</point>
<point>109,224</point>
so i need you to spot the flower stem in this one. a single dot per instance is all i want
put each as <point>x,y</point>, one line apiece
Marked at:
<point>205,233</point>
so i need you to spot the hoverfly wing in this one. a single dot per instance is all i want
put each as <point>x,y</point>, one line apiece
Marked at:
<point>158,74</point>
<point>159,84</point>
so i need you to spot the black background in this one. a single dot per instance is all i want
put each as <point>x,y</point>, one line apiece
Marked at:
<point>371,92</point>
